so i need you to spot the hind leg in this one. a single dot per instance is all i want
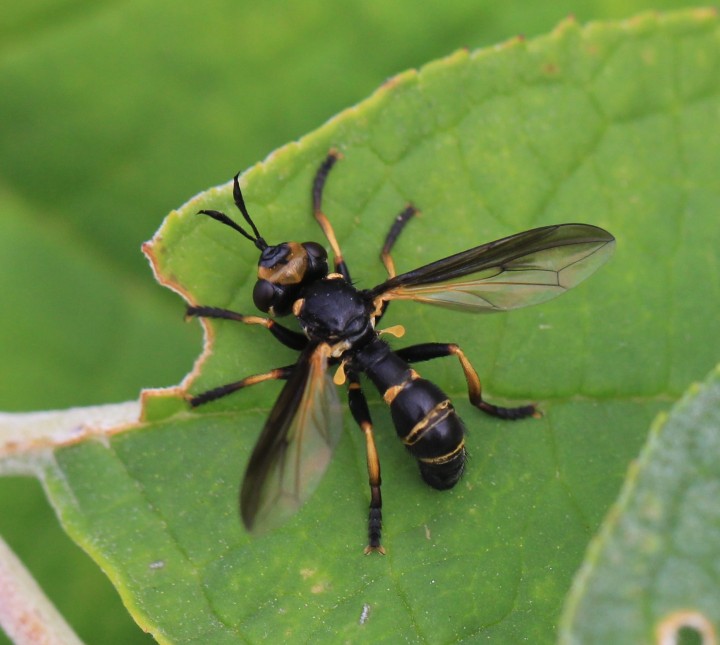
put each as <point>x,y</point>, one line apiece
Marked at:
<point>428,351</point>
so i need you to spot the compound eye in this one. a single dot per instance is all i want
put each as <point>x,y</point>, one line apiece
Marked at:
<point>315,251</point>
<point>317,260</point>
<point>264,295</point>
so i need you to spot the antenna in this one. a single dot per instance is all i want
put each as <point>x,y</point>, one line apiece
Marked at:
<point>258,240</point>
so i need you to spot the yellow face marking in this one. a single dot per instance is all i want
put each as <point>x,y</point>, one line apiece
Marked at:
<point>291,270</point>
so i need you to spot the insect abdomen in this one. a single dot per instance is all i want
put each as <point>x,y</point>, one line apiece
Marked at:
<point>431,430</point>
<point>424,418</point>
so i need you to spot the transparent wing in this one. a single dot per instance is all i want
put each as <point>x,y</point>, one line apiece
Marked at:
<point>516,271</point>
<point>295,446</point>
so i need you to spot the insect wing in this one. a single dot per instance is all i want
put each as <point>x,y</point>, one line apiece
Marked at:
<point>516,271</point>
<point>295,446</point>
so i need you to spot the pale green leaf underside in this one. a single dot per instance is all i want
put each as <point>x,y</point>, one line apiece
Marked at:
<point>614,125</point>
<point>654,570</point>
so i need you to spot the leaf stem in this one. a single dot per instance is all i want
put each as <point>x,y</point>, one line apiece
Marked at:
<point>26,614</point>
<point>27,438</point>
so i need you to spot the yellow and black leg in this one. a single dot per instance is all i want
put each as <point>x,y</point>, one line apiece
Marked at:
<point>361,414</point>
<point>392,236</point>
<point>223,390</point>
<point>397,226</point>
<point>317,192</point>
<point>288,337</point>
<point>428,351</point>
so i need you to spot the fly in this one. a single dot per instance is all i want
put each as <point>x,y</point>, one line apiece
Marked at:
<point>339,324</point>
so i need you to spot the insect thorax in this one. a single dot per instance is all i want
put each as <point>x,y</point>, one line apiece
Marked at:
<point>333,310</point>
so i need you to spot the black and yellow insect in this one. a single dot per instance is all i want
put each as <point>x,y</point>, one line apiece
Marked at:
<point>339,324</point>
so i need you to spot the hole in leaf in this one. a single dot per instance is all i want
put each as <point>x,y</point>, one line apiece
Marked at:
<point>686,628</point>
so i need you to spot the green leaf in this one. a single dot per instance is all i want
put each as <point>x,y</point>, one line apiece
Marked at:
<point>615,125</point>
<point>653,571</point>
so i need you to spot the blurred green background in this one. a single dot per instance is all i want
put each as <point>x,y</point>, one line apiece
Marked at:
<point>113,114</point>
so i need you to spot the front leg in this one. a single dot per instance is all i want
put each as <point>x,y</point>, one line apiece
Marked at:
<point>317,194</point>
<point>397,226</point>
<point>288,337</point>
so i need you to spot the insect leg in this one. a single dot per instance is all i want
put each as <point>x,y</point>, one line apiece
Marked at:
<point>361,414</point>
<point>428,351</point>
<point>317,192</point>
<point>288,337</point>
<point>392,236</point>
<point>223,390</point>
